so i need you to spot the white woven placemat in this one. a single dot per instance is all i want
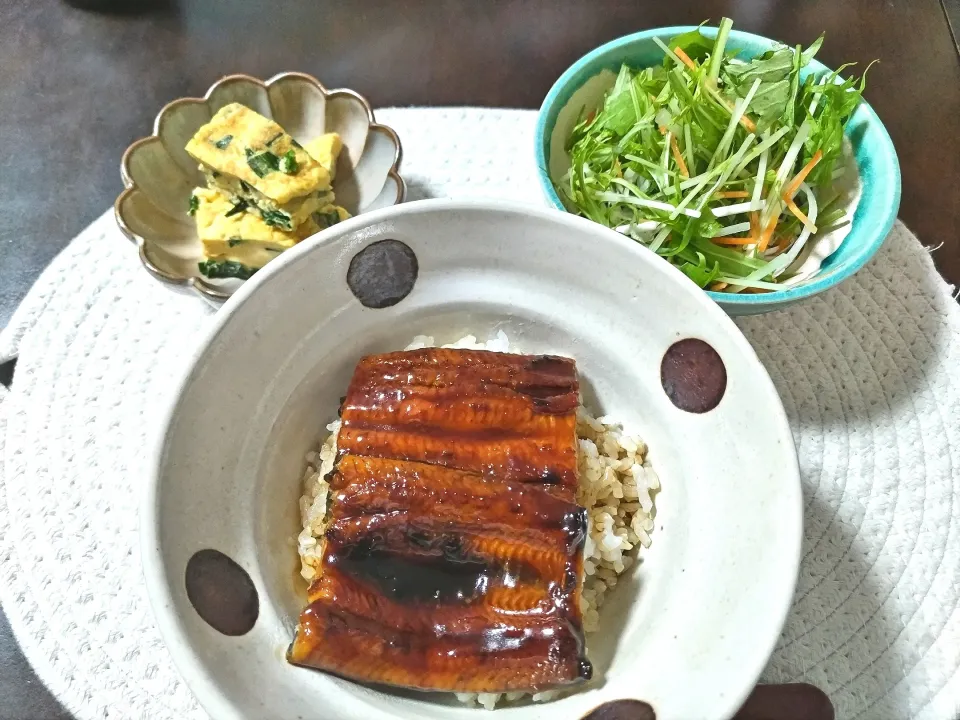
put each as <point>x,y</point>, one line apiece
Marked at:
<point>869,375</point>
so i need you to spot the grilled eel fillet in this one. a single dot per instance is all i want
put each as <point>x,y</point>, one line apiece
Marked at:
<point>454,548</point>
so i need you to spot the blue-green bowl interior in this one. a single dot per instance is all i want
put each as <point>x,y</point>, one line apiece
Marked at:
<point>875,156</point>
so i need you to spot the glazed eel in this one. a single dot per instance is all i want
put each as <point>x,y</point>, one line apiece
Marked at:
<point>454,547</point>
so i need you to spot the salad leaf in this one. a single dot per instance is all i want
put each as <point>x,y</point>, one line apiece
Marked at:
<point>771,66</point>
<point>620,112</point>
<point>699,272</point>
<point>696,45</point>
<point>779,74</point>
<point>812,51</point>
<point>774,69</point>
<point>836,101</point>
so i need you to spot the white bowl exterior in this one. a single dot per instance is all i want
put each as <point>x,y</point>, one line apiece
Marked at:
<point>688,631</point>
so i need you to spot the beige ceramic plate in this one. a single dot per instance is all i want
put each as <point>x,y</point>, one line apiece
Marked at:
<point>159,176</point>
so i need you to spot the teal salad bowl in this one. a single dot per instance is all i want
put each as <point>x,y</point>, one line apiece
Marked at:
<point>584,84</point>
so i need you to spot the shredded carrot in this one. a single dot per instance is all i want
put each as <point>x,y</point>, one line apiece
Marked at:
<point>732,194</point>
<point>798,213</point>
<point>591,116</point>
<point>678,157</point>
<point>790,190</point>
<point>684,58</point>
<point>754,224</point>
<point>718,286</point>
<point>781,244</point>
<point>734,240</point>
<point>745,120</point>
<point>766,235</point>
<point>663,129</point>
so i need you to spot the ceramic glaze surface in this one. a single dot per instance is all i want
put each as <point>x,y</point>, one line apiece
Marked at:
<point>704,608</point>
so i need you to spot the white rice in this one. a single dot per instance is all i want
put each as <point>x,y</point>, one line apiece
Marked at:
<point>617,487</point>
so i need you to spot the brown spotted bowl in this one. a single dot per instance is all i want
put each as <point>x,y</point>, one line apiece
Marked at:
<point>686,633</point>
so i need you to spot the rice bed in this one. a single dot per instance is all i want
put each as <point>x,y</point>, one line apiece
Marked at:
<point>617,487</point>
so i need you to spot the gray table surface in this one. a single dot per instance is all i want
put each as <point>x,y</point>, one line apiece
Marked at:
<point>79,86</point>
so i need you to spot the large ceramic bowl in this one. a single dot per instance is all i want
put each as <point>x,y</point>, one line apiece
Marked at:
<point>159,176</point>
<point>687,631</point>
<point>587,80</point>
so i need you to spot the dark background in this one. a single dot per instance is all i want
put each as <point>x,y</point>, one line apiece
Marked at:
<point>77,87</point>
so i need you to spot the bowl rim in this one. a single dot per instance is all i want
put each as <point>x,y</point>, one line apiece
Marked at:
<point>159,591</point>
<point>205,289</point>
<point>890,203</point>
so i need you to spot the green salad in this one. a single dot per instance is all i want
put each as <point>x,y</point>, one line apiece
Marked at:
<point>725,166</point>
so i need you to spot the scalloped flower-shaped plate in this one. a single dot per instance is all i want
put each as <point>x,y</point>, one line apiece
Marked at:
<point>159,175</point>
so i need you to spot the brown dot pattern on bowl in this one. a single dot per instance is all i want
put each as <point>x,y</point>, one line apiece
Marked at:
<point>221,592</point>
<point>383,273</point>
<point>622,710</point>
<point>792,701</point>
<point>693,375</point>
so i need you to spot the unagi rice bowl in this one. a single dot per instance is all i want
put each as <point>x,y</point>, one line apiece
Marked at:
<point>617,486</point>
